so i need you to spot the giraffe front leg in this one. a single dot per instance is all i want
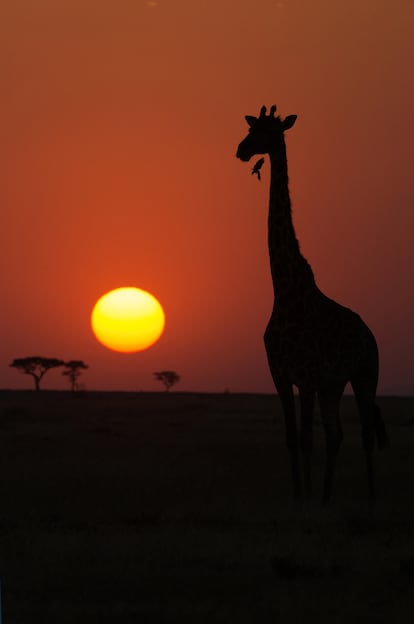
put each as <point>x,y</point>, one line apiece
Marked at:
<point>329,406</point>
<point>285,392</point>
<point>307,404</point>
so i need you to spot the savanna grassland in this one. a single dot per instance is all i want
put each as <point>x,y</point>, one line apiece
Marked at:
<point>122,507</point>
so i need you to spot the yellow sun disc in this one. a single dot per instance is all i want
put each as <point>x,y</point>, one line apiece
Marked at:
<point>127,320</point>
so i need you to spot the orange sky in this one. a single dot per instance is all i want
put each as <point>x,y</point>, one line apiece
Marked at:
<point>119,125</point>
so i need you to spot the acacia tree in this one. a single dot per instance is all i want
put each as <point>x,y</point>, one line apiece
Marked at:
<point>168,378</point>
<point>73,371</point>
<point>36,366</point>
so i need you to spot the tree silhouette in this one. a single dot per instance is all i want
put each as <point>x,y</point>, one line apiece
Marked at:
<point>73,371</point>
<point>168,378</point>
<point>36,366</point>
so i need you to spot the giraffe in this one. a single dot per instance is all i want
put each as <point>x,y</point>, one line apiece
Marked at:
<point>311,341</point>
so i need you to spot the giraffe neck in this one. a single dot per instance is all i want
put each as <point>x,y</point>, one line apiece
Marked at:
<point>290,271</point>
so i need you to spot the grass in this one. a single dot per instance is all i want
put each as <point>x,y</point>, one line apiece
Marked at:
<point>177,508</point>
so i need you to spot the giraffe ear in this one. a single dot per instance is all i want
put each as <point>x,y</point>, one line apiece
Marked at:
<point>251,120</point>
<point>288,122</point>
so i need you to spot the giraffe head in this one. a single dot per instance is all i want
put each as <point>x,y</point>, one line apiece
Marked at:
<point>265,134</point>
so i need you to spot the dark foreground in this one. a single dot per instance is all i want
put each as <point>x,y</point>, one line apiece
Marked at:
<point>176,508</point>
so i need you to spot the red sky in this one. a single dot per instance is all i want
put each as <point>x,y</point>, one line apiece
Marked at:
<point>119,124</point>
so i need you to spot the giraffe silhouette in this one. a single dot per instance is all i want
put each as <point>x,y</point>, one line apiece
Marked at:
<point>311,341</point>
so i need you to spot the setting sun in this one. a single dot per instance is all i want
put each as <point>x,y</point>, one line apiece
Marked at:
<point>127,320</point>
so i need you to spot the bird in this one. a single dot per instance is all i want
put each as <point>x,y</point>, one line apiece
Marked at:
<point>256,169</point>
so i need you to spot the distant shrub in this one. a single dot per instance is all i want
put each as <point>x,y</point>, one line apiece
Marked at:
<point>168,378</point>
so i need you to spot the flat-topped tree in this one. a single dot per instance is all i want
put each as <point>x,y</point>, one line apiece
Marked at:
<point>73,371</point>
<point>36,366</point>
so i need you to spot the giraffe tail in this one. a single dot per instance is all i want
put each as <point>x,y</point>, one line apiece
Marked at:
<point>383,440</point>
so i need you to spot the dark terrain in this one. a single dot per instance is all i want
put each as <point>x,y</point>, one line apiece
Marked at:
<point>123,507</point>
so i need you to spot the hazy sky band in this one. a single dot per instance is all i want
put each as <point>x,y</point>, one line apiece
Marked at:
<point>119,128</point>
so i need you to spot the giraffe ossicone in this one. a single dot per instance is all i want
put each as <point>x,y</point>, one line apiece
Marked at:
<point>311,341</point>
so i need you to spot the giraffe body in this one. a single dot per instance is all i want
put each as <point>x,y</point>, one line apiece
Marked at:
<point>300,347</point>
<point>311,341</point>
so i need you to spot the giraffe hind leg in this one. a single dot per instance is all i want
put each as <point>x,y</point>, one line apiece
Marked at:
<point>371,423</point>
<point>307,404</point>
<point>383,440</point>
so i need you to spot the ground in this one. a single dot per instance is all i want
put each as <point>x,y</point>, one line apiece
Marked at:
<point>122,507</point>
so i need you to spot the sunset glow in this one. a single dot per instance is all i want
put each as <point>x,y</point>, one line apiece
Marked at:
<point>120,127</point>
<point>127,320</point>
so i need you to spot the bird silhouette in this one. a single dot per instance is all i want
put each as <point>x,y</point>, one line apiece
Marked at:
<point>256,169</point>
